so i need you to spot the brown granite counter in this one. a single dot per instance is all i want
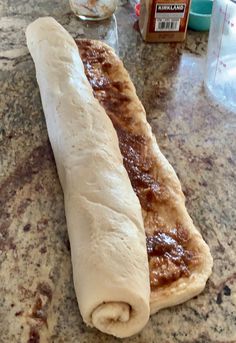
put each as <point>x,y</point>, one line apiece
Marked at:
<point>37,299</point>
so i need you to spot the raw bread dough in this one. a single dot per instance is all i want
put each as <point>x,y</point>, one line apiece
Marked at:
<point>105,226</point>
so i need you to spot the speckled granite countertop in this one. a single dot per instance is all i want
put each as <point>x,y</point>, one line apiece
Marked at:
<point>197,137</point>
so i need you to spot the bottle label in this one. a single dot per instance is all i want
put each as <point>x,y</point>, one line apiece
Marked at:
<point>169,16</point>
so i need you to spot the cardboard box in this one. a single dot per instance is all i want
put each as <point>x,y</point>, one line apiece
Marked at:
<point>164,20</point>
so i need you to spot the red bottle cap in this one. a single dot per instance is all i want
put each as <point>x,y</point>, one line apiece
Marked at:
<point>137,9</point>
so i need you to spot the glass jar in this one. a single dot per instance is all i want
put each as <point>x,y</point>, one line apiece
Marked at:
<point>93,9</point>
<point>105,31</point>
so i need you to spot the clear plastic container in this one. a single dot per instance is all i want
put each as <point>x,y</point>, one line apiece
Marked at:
<point>93,9</point>
<point>220,78</point>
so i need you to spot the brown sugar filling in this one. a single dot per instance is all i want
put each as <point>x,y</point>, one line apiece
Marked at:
<point>168,248</point>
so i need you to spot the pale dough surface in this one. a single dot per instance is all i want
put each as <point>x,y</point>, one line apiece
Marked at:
<point>104,219</point>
